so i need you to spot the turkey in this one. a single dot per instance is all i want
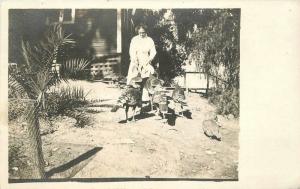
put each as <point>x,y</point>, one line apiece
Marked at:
<point>211,129</point>
<point>178,103</point>
<point>130,97</point>
<point>160,100</point>
<point>151,85</point>
<point>178,100</point>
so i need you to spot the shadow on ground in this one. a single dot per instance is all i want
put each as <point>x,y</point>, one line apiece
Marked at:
<point>72,167</point>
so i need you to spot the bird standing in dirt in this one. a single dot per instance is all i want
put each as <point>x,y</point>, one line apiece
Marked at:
<point>160,97</point>
<point>211,129</point>
<point>151,86</point>
<point>130,97</point>
<point>178,99</point>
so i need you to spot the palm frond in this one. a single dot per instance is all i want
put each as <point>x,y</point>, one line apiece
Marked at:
<point>23,80</point>
<point>67,40</point>
<point>36,75</point>
<point>15,87</point>
<point>71,68</point>
<point>31,56</point>
<point>44,81</point>
<point>56,36</point>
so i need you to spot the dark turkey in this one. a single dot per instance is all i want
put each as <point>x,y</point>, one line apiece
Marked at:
<point>130,97</point>
<point>151,85</point>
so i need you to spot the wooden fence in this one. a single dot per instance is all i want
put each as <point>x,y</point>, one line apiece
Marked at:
<point>194,80</point>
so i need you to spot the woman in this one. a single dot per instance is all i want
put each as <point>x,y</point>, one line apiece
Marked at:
<point>142,51</point>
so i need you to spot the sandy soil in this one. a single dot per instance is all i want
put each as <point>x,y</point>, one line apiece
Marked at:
<point>147,147</point>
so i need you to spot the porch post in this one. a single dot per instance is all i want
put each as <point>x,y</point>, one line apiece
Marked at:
<point>119,32</point>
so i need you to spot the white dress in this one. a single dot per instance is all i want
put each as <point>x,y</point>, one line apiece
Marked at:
<point>141,50</point>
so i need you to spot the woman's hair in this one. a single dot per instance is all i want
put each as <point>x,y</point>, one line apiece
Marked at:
<point>141,26</point>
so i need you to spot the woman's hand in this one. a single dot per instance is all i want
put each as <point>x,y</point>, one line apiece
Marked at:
<point>148,62</point>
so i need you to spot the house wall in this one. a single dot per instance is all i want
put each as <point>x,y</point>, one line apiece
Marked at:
<point>27,25</point>
<point>97,32</point>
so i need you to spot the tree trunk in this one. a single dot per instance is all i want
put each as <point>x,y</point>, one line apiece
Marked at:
<point>35,142</point>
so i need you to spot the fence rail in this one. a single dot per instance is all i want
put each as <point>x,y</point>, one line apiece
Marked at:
<point>209,82</point>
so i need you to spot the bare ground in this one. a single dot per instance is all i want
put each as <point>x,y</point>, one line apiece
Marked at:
<point>147,147</point>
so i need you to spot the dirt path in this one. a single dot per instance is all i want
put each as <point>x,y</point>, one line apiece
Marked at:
<point>150,147</point>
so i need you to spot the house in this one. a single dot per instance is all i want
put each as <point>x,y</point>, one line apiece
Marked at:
<point>101,35</point>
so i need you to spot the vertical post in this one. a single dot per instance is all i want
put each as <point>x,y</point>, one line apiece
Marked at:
<point>207,84</point>
<point>119,38</point>
<point>73,11</point>
<point>185,83</point>
<point>55,66</point>
<point>119,31</point>
<point>61,16</point>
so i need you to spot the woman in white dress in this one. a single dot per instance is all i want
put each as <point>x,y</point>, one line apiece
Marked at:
<point>142,51</point>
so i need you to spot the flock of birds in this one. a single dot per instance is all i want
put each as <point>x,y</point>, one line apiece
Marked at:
<point>173,106</point>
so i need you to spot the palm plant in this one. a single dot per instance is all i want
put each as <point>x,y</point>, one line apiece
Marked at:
<point>35,76</point>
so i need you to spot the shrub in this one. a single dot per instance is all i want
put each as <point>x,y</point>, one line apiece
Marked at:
<point>227,101</point>
<point>214,44</point>
<point>63,99</point>
<point>13,155</point>
<point>16,158</point>
<point>82,119</point>
<point>66,101</point>
<point>16,108</point>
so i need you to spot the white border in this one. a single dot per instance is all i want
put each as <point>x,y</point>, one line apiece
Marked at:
<point>270,92</point>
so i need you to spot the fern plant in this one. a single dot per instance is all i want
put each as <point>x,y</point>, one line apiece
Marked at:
<point>34,77</point>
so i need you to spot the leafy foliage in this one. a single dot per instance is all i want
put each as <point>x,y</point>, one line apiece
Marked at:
<point>75,68</point>
<point>211,38</point>
<point>213,41</point>
<point>68,101</point>
<point>227,101</point>
<point>15,90</point>
<point>36,75</point>
<point>16,108</point>
<point>64,99</point>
